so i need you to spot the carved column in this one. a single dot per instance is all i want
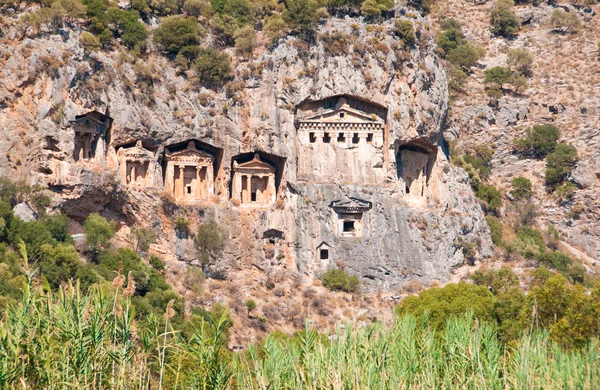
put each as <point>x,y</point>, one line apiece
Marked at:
<point>181,194</point>
<point>198,193</point>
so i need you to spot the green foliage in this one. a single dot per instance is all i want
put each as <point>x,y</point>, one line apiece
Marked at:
<point>275,27</point>
<point>157,263</point>
<point>559,164</point>
<point>59,264</point>
<point>497,75</point>
<point>556,260</point>
<point>437,304</point>
<point>98,232</point>
<point>210,241</point>
<point>126,26</point>
<point>491,197</point>
<point>465,56</point>
<point>564,22</point>
<point>499,281</point>
<point>374,8</point>
<point>339,280</point>
<point>176,32</point>
<point>451,35</point>
<point>301,16</point>
<point>538,141</point>
<point>182,226</point>
<point>213,67</point>
<point>521,188</point>
<point>520,61</point>
<point>404,30</point>
<point>566,191</point>
<point>144,238</point>
<point>503,19</point>
<point>496,230</point>
<point>250,305</point>
<point>90,42</point>
<point>529,242</point>
<point>245,41</point>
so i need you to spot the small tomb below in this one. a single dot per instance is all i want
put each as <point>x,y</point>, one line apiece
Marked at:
<point>349,215</point>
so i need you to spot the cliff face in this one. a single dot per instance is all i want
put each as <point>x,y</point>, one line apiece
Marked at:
<point>391,208</point>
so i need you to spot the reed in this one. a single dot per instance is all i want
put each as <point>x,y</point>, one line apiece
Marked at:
<point>69,340</point>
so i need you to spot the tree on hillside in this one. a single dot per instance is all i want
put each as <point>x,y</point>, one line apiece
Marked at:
<point>503,19</point>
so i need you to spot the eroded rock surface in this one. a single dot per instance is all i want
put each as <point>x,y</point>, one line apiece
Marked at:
<point>391,209</point>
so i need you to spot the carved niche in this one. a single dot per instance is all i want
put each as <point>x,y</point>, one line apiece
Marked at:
<point>253,182</point>
<point>189,174</point>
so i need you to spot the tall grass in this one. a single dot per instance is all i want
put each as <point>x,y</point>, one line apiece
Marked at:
<point>68,340</point>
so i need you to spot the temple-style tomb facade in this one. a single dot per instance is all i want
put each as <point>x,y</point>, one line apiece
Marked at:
<point>92,133</point>
<point>137,165</point>
<point>189,173</point>
<point>253,182</point>
<point>341,137</point>
<point>348,217</point>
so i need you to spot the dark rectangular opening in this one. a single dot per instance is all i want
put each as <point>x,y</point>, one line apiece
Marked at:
<point>324,254</point>
<point>326,138</point>
<point>253,197</point>
<point>355,138</point>
<point>342,114</point>
<point>348,226</point>
<point>311,138</point>
<point>370,137</point>
<point>189,189</point>
<point>341,137</point>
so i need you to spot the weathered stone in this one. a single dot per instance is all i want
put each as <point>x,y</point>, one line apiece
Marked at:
<point>25,212</point>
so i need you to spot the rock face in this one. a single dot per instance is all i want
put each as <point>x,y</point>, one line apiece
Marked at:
<point>353,136</point>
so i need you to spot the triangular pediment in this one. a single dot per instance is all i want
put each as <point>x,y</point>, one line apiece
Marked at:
<point>255,163</point>
<point>323,244</point>
<point>344,114</point>
<point>189,153</point>
<point>351,205</point>
<point>137,152</point>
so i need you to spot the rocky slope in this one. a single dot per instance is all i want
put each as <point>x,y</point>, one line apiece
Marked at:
<point>563,90</point>
<point>47,80</point>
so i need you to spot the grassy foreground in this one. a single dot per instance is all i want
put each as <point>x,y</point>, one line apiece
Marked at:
<point>72,341</point>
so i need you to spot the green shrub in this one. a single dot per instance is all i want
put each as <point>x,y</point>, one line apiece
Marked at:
<point>245,41</point>
<point>176,32</point>
<point>465,56</point>
<point>566,191</point>
<point>157,263</point>
<point>126,26</point>
<point>98,232</point>
<point>559,164</point>
<point>521,188</point>
<point>564,22</point>
<point>520,61</point>
<point>437,304</point>
<point>213,67</point>
<point>374,8</point>
<point>451,35</point>
<point>490,196</point>
<point>339,280</point>
<point>503,19</point>
<point>90,42</point>
<point>556,260</point>
<point>210,241</point>
<point>497,75</point>
<point>144,238</point>
<point>502,280</point>
<point>529,242</point>
<point>250,305</point>
<point>404,30</point>
<point>182,227</point>
<point>496,230</point>
<point>301,16</point>
<point>275,27</point>
<point>538,141</point>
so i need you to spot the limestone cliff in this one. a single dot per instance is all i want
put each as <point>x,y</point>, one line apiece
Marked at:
<point>402,213</point>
